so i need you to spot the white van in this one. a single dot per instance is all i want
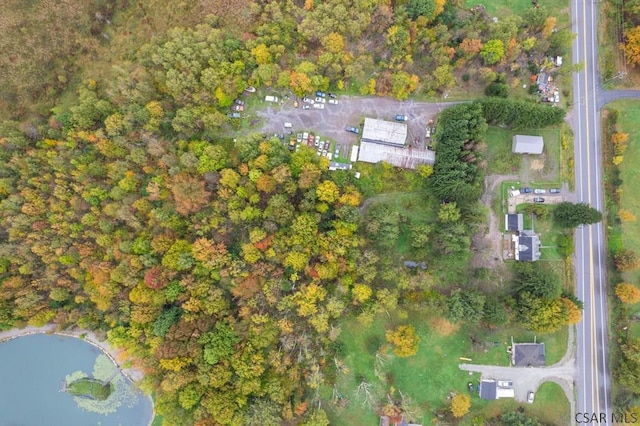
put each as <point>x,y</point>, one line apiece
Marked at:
<point>288,125</point>
<point>270,98</point>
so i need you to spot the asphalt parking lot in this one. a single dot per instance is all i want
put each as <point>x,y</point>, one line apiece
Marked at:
<point>350,111</point>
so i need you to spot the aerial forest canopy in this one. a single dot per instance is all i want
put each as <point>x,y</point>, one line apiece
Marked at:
<point>223,263</point>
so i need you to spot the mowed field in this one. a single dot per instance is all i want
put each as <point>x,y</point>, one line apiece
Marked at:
<point>629,122</point>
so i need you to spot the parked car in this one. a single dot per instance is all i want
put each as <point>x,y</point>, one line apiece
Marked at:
<point>307,100</point>
<point>401,117</point>
<point>428,132</point>
<point>556,96</point>
<point>288,125</point>
<point>538,200</point>
<point>320,93</point>
<point>333,95</point>
<point>318,106</point>
<point>530,396</point>
<point>250,89</point>
<point>233,115</point>
<point>333,101</point>
<point>352,129</point>
<point>305,136</point>
<point>526,190</point>
<point>554,191</point>
<point>238,108</point>
<point>306,107</point>
<point>270,98</point>
<point>317,142</point>
<point>327,145</point>
<point>337,152</point>
<point>539,191</point>
<point>238,102</point>
<point>320,100</point>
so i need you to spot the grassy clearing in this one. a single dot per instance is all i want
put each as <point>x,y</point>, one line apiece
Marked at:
<point>501,160</point>
<point>428,377</point>
<point>629,122</point>
<point>518,7</point>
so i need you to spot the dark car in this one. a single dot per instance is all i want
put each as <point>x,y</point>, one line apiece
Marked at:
<point>525,190</point>
<point>333,95</point>
<point>538,200</point>
<point>320,94</point>
<point>327,145</point>
<point>554,191</point>
<point>352,129</point>
<point>307,106</point>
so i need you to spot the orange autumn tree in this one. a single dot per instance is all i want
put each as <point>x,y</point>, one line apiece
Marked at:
<point>405,340</point>
<point>631,46</point>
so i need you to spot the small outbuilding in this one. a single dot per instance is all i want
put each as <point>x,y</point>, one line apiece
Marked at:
<point>526,144</point>
<point>513,222</point>
<point>494,389</point>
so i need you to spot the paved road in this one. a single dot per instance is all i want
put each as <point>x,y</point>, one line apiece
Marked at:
<point>593,376</point>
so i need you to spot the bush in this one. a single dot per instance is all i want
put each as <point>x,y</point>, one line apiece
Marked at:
<point>498,90</point>
<point>626,260</point>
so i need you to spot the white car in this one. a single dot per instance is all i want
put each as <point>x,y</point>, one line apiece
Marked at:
<point>539,191</point>
<point>320,100</point>
<point>556,96</point>
<point>318,106</point>
<point>530,396</point>
<point>333,101</point>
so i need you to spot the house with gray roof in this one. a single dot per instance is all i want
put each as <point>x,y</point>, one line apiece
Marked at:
<point>528,354</point>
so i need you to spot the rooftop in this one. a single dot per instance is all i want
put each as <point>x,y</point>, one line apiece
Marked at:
<point>528,355</point>
<point>384,132</point>
<point>408,158</point>
<point>527,144</point>
<point>513,222</point>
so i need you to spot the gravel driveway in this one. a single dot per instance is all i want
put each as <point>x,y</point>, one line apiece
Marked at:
<point>530,379</point>
<point>350,111</point>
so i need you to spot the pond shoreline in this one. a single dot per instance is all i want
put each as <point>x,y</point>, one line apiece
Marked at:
<point>133,374</point>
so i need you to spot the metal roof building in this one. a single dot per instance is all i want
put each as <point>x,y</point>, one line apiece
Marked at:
<point>526,144</point>
<point>408,158</point>
<point>384,132</point>
<point>494,389</point>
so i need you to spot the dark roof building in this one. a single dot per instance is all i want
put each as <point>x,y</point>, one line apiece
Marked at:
<point>526,144</point>
<point>528,246</point>
<point>513,222</point>
<point>493,389</point>
<point>528,355</point>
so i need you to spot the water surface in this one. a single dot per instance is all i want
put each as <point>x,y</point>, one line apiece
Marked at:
<point>32,371</point>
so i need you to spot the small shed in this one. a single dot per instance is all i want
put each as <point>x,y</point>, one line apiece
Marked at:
<point>513,222</point>
<point>491,389</point>
<point>526,144</point>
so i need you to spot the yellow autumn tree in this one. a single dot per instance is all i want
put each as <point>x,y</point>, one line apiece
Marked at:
<point>626,216</point>
<point>460,405</point>
<point>404,339</point>
<point>574,313</point>
<point>631,46</point>
<point>628,293</point>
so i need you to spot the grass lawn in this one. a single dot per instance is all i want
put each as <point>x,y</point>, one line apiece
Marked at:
<point>629,122</point>
<point>501,160</point>
<point>550,406</point>
<point>559,9</point>
<point>430,376</point>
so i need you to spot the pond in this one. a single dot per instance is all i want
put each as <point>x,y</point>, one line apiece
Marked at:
<point>35,369</point>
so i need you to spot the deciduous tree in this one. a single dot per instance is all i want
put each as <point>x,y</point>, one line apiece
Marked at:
<point>405,340</point>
